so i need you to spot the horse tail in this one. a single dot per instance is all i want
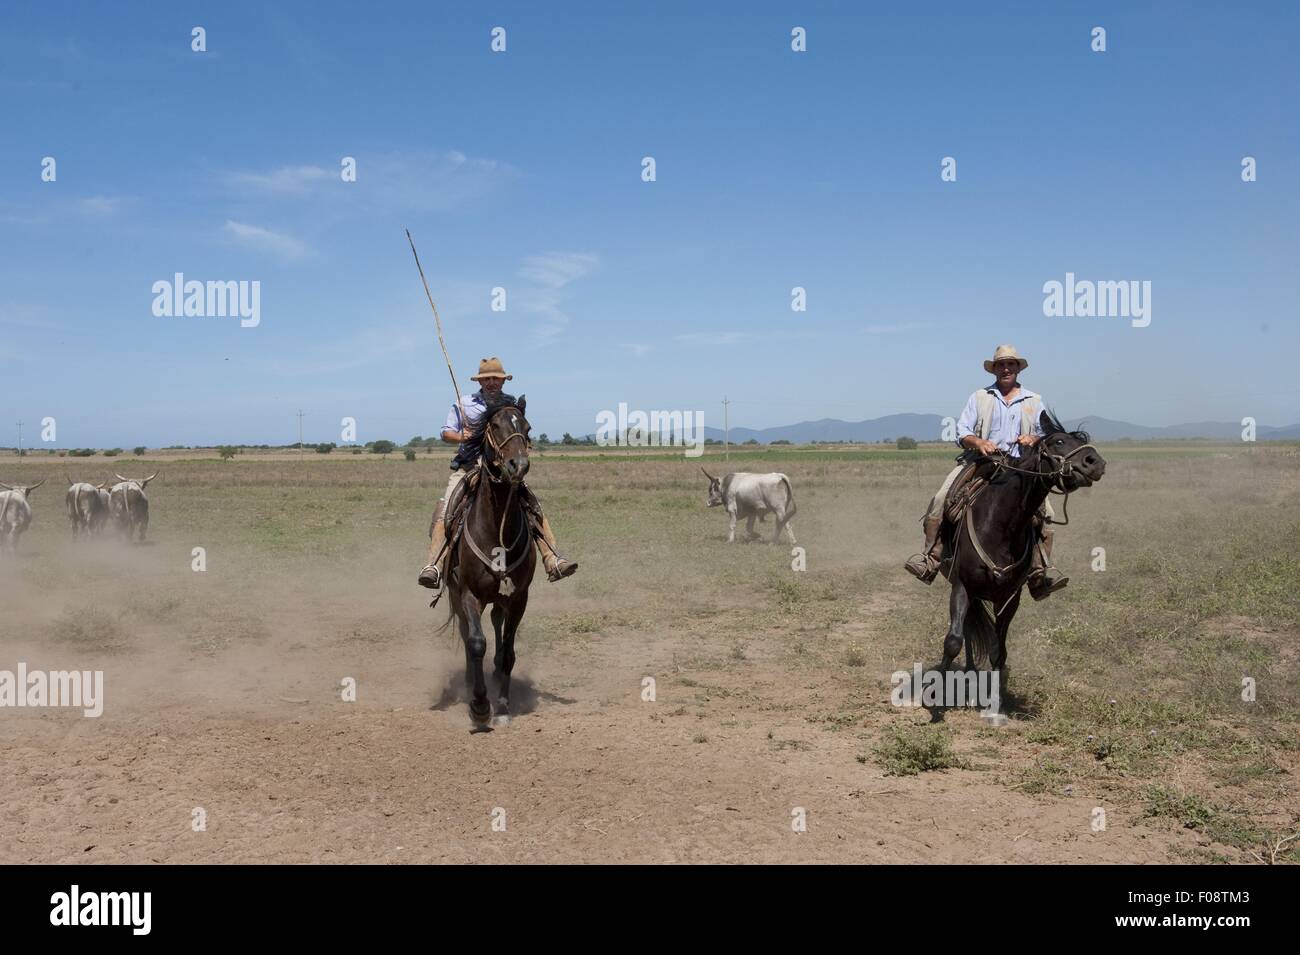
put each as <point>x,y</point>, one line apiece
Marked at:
<point>977,627</point>
<point>790,509</point>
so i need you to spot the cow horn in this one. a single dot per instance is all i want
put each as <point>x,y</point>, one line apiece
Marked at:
<point>36,485</point>
<point>6,487</point>
<point>120,478</point>
<point>707,474</point>
<point>150,478</point>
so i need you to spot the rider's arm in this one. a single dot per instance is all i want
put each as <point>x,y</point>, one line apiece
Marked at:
<point>451,429</point>
<point>967,439</point>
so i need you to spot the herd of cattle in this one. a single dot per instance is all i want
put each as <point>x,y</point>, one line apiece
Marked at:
<point>91,508</point>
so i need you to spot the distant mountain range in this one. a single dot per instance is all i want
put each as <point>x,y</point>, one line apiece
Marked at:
<point>927,427</point>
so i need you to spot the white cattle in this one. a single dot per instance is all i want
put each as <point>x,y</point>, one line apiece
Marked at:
<point>15,513</point>
<point>129,507</point>
<point>748,495</point>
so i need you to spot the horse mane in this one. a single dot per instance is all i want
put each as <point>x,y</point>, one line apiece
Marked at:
<point>494,402</point>
<point>1056,425</point>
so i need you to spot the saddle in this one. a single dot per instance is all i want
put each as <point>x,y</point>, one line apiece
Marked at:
<point>458,509</point>
<point>962,492</point>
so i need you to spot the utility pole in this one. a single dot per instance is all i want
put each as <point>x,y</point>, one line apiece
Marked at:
<point>726,430</point>
<point>300,432</point>
<point>20,442</point>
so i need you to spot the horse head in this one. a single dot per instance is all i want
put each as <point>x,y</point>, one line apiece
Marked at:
<point>504,436</point>
<point>1069,457</point>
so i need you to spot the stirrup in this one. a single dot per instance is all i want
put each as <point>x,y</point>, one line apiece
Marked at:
<point>1041,586</point>
<point>563,568</point>
<point>926,570</point>
<point>430,577</point>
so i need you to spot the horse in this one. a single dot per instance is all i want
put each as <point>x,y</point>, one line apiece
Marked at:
<point>492,559</point>
<point>992,544</point>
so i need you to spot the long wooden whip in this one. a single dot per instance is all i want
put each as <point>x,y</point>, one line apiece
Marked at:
<point>441,341</point>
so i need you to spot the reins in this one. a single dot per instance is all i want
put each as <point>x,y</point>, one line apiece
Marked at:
<point>1055,485</point>
<point>497,447</point>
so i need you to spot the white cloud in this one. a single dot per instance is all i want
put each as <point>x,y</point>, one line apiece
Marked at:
<point>283,246</point>
<point>558,269</point>
<point>711,338</point>
<point>101,205</point>
<point>287,180</point>
<point>551,272</point>
<point>895,329</point>
<point>406,182</point>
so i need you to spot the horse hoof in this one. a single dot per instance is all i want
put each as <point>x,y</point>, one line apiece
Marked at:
<point>502,720</point>
<point>480,717</point>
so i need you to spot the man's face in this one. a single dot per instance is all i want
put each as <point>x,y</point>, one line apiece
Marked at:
<point>491,385</point>
<point>1006,371</point>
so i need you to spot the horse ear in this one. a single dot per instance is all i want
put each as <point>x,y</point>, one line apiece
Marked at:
<point>1047,423</point>
<point>523,404</point>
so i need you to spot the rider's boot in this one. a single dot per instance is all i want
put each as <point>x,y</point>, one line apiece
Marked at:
<point>925,565</point>
<point>557,567</point>
<point>431,575</point>
<point>1042,581</point>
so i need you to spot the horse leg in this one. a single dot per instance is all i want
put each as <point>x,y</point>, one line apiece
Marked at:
<point>1003,627</point>
<point>498,658</point>
<point>471,634</point>
<point>958,604</point>
<point>505,658</point>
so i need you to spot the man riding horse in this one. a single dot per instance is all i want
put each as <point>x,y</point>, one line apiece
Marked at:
<point>998,419</point>
<point>491,377</point>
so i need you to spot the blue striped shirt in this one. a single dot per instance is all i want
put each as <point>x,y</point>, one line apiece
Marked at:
<point>1004,429</point>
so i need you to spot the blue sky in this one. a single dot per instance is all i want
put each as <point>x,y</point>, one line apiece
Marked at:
<point>522,170</point>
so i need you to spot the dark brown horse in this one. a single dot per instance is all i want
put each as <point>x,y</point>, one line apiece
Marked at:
<point>991,545</point>
<point>492,557</point>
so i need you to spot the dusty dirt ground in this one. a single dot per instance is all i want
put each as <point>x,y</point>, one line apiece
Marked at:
<point>224,694</point>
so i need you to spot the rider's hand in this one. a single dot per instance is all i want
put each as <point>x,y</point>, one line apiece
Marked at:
<point>1028,440</point>
<point>985,446</point>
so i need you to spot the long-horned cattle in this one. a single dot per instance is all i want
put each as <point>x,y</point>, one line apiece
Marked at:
<point>748,495</point>
<point>129,507</point>
<point>87,507</point>
<point>15,513</point>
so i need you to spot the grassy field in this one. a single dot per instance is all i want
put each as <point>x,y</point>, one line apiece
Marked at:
<point>1126,688</point>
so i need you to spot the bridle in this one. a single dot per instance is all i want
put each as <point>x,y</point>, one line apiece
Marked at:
<point>498,446</point>
<point>1055,478</point>
<point>496,477</point>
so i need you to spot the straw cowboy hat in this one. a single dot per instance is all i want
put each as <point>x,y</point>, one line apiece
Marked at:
<point>490,368</point>
<point>1004,352</point>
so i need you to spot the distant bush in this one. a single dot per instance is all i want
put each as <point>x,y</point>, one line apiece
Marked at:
<point>782,441</point>
<point>325,447</point>
<point>356,450</point>
<point>137,451</point>
<point>381,447</point>
<point>906,444</point>
<point>82,452</point>
<point>227,451</point>
<point>752,441</point>
<point>409,454</point>
<point>112,452</point>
